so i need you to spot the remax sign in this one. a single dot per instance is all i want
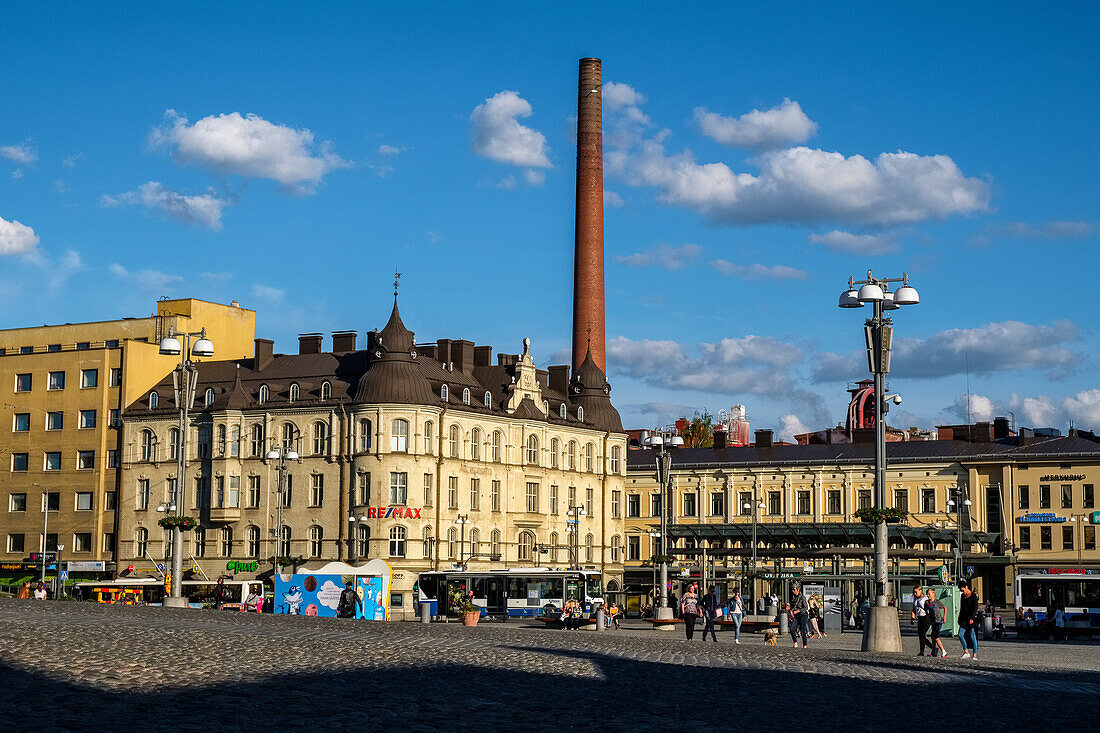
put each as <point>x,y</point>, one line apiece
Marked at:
<point>393,512</point>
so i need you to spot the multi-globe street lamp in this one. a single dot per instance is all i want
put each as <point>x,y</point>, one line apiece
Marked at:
<point>958,505</point>
<point>759,505</point>
<point>281,452</point>
<point>882,633</point>
<point>573,527</point>
<point>184,379</point>
<point>354,522</point>
<point>664,479</point>
<point>462,521</point>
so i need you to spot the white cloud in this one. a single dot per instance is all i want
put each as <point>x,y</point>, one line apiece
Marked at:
<point>1084,407</point>
<point>266,292</point>
<point>203,210</point>
<point>860,244</point>
<point>663,255</point>
<point>17,174</point>
<point>981,408</point>
<point>59,186</point>
<point>16,238</point>
<point>72,160</point>
<point>623,99</point>
<point>790,425</point>
<point>146,279</point>
<point>994,347</point>
<point>23,153</point>
<point>758,272</point>
<point>1038,411</point>
<point>249,146</point>
<point>534,177</point>
<point>758,129</point>
<point>610,198</point>
<point>1057,229</point>
<point>388,150</point>
<point>498,135</point>
<point>216,276</point>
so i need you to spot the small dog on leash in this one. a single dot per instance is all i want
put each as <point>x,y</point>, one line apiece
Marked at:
<point>771,636</point>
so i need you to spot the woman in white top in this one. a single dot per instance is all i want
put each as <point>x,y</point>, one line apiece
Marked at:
<point>40,592</point>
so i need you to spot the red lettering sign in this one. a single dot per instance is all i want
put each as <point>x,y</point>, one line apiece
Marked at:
<point>370,512</point>
<point>417,510</point>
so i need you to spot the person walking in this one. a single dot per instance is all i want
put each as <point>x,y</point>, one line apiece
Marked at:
<point>920,615</point>
<point>674,605</point>
<point>817,624</point>
<point>937,614</point>
<point>710,611</point>
<point>737,613</point>
<point>689,612</point>
<point>968,611</point>
<point>800,609</point>
<point>221,594</point>
<point>349,602</point>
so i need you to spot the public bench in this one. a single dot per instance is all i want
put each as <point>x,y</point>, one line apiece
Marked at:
<point>662,622</point>
<point>555,621</point>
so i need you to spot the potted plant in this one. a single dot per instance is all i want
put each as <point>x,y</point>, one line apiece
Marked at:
<point>890,515</point>
<point>183,522</point>
<point>463,605</point>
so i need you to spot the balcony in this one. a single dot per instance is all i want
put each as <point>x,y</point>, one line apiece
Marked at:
<point>225,514</point>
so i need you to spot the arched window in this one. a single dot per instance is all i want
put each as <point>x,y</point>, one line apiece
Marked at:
<point>198,539</point>
<point>397,541</point>
<point>588,540</point>
<point>495,449</point>
<point>209,397</point>
<point>316,540</point>
<point>589,454</point>
<point>284,542</point>
<point>452,543</point>
<point>148,445</point>
<point>235,440</point>
<point>206,439</point>
<point>223,439</point>
<point>295,391</point>
<point>264,393</point>
<point>488,399</point>
<point>615,548</point>
<point>154,400</point>
<point>364,435</point>
<point>320,438</point>
<point>256,448</point>
<point>290,436</point>
<point>453,442</point>
<point>546,407</point>
<point>429,542</point>
<point>465,396</point>
<point>326,390</point>
<point>174,444</point>
<point>475,445</point>
<point>141,542</point>
<point>580,413</point>
<point>532,450</point>
<point>555,448</point>
<point>571,456</point>
<point>253,535</point>
<point>616,459</point>
<point>553,547</point>
<point>429,437</point>
<point>494,545</point>
<point>444,393</point>
<point>227,542</point>
<point>475,540</point>
<point>362,541</point>
<point>399,436</point>
<point>561,411</point>
<point>525,547</point>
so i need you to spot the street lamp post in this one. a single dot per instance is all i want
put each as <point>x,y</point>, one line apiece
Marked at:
<point>59,587</point>
<point>882,633</point>
<point>664,480</point>
<point>752,572</point>
<point>573,526</point>
<point>184,378</point>
<point>282,453</point>
<point>462,521</point>
<point>45,530</point>
<point>959,528</point>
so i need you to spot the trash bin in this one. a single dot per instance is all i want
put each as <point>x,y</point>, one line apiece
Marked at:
<point>783,627</point>
<point>599,617</point>
<point>425,612</point>
<point>987,628</point>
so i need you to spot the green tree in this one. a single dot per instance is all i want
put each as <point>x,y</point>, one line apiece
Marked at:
<point>699,431</point>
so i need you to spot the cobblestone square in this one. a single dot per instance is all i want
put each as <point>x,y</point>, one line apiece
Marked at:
<point>69,666</point>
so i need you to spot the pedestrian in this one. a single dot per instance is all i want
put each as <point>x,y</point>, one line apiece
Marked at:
<point>40,592</point>
<point>349,602</point>
<point>968,611</point>
<point>761,606</point>
<point>710,611</point>
<point>817,624</point>
<point>737,613</point>
<point>792,629</point>
<point>221,594</point>
<point>1059,627</point>
<point>920,615</point>
<point>800,609</point>
<point>24,590</point>
<point>864,611</point>
<point>689,611</point>
<point>675,606</point>
<point>937,614</point>
<point>775,600</point>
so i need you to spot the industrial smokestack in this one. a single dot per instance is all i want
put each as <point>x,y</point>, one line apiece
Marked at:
<point>588,303</point>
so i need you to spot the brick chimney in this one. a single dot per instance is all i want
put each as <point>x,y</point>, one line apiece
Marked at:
<point>309,343</point>
<point>343,341</point>
<point>763,439</point>
<point>264,354</point>
<point>588,298</point>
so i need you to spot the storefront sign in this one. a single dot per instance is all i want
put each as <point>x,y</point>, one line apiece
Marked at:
<point>1063,477</point>
<point>87,566</point>
<point>1096,517</point>
<point>1066,571</point>
<point>393,512</point>
<point>1040,517</point>
<point>235,566</point>
<point>780,576</point>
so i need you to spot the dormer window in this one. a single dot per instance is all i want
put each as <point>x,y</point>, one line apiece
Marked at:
<point>465,396</point>
<point>546,407</point>
<point>264,393</point>
<point>580,414</point>
<point>561,411</point>
<point>209,397</point>
<point>443,393</point>
<point>326,390</point>
<point>154,400</point>
<point>295,391</point>
<point>488,399</point>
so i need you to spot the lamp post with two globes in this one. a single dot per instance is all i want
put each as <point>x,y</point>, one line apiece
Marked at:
<point>881,632</point>
<point>281,452</point>
<point>664,479</point>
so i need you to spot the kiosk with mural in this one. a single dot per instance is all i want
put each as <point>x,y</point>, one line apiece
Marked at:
<point>317,592</point>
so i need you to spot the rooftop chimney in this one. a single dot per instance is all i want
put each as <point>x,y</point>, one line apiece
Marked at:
<point>763,439</point>
<point>264,354</point>
<point>343,341</point>
<point>309,343</point>
<point>588,300</point>
<point>719,439</point>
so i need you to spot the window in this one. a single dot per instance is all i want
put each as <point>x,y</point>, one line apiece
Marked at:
<point>475,445</point>
<point>55,420</point>
<point>928,501</point>
<point>494,496</point>
<point>1045,538</point>
<point>580,414</point>
<point>114,417</point>
<point>475,494</point>
<point>252,535</point>
<point>295,392</point>
<point>16,542</point>
<point>1025,497</point>
<point>901,499</point>
<point>56,380</point>
<point>616,548</point>
<point>82,542</point>
<point>1067,496</point>
<point>532,496</point>
<point>863,498</point>
<point>555,448</point>
<point>173,444</point>
<point>26,349</point>
<point>1044,496</point>
<point>495,447</point>
<point>399,487</point>
<point>89,378</point>
<point>83,501</point>
<point>775,502</point>
<point>227,542</point>
<point>475,541</point>
<point>362,540</point>
<point>616,460</point>
<point>223,438</point>
<point>235,441</point>
<point>320,438</point>
<point>1090,538</point>
<point>453,441</point>
<point>316,489</point>
<point>553,498</point>
<point>488,399</point>
<point>1067,537</point>
<point>633,548</point>
<point>142,494</point>
<point>256,441</point>
<point>616,503</point>
<point>219,491</point>
<point>1025,538</point>
<point>494,545</point>
<point>51,501</point>
<point>397,541</point>
<point>141,542</point>
<point>1088,499</point>
<point>19,461</point>
<point>209,397</point>
<point>399,436</point>
<point>115,377</point>
<point>428,543</point>
<point>443,393</point>
<point>284,541</point>
<point>326,390</point>
<point>253,498</point>
<point>316,541</point>
<point>532,450</point>
<point>364,435</point>
<point>110,501</point>
<point>53,347</point>
<point>561,411</point>
<point>465,396</point>
<point>205,441</point>
<point>525,547</point>
<point>689,502</point>
<point>452,492</point>
<point>589,453</point>
<point>633,506</point>
<point>364,488</point>
<point>429,438</point>
<point>290,437</point>
<point>53,461</point>
<point>154,400</point>
<point>17,503</point>
<point>22,422</point>
<point>50,542</point>
<point>427,489</point>
<point>452,543</point>
<point>202,492</point>
<point>588,542</point>
<point>111,343</point>
<point>834,502</point>
<point>571,456</point>
<point>654,505</point>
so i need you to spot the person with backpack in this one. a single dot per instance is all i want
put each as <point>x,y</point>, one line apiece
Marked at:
<point>689,611</point>
<point>968,626</point>
<point>937,612</point>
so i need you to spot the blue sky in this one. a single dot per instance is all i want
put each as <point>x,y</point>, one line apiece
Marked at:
<point>292,159</point>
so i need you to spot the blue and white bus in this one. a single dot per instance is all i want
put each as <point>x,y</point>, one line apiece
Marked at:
<point>1076,592</point>
<point>516,591</point>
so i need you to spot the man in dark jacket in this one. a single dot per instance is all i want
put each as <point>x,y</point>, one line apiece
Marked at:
<point>710,610</point>
<point>349,601</point>
<point>968,628</point>
<point>221,594</point>
<point>800,607</point>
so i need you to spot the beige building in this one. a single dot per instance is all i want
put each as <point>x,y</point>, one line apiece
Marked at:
<point>64,388</point>
<point>436,455</point>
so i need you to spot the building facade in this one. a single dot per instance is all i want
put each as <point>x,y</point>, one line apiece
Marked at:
<point>425,455</point>
<point>65,387</point>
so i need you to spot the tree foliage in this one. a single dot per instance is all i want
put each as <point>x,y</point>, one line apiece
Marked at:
<point>699,431</point>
